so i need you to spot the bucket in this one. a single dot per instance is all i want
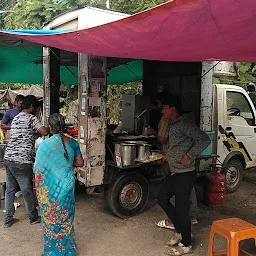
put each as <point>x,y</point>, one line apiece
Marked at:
<point>208,150</point>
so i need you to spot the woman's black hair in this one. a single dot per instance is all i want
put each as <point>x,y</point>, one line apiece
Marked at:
<point>28,101</point>
<point>19,98</point>
<point>57,123</point>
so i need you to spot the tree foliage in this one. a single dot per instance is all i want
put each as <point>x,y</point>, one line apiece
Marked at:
<point>34,14</point>
<point>12,86</point>
<point>134,6</point>
<point>114,103</point>
<point>246,74</point>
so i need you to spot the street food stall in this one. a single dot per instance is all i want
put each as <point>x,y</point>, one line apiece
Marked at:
<point>121,165</point>
<point>118,164</point>
<point>165,33</point>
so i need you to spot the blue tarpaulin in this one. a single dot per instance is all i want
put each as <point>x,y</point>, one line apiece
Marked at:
<point>37,32</point>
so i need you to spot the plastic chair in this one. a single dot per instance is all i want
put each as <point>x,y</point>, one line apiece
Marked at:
<point>234,230</point>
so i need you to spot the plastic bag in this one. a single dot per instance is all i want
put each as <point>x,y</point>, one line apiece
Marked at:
<point>38,142</point>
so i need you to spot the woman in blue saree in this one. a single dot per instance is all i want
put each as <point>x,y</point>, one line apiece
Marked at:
<point>55,183</point>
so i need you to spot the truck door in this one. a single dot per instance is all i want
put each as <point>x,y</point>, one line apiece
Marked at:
<point>239,124</point>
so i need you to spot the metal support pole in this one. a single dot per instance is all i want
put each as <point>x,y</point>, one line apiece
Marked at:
<point>108,4</point>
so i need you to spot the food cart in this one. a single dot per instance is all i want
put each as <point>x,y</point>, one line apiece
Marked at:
<point>125,182</point>
<point>111,161</point>
<point>151,35</point>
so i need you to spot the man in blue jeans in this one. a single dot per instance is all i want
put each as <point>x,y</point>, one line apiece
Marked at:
<point>18,159</point>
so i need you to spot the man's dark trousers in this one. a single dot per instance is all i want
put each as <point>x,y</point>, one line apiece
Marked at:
<point>179,185</point>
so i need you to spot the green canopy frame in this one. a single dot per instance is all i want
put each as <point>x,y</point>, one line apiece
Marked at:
<point>20,65</point>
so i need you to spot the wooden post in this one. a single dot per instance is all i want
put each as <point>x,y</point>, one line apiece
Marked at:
<point>92,118</point>
<point>51,81</point>
<point>55,80</point>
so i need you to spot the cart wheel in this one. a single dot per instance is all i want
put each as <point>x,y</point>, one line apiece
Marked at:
<point>128,195</point>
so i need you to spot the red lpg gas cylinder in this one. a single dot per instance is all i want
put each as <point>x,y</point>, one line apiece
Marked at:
<point>216,188</point>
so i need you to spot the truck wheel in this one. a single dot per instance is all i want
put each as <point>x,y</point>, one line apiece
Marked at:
<point>128,195</point>
<point>234,175</point>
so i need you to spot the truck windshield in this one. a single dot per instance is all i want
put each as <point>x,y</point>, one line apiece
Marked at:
<point>237,103</point>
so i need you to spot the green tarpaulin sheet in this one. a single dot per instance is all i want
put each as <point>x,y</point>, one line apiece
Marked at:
<point>18,65</point>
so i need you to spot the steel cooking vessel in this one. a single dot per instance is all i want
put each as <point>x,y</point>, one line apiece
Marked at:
<point>143,151</point>
<point>128,153</point>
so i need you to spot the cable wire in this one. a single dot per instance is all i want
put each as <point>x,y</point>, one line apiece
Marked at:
<point>126,65</point>
<point>210,69</point>
<point>64,65</point>
<point>30,53</point>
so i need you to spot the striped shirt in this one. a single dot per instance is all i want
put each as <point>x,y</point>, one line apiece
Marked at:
<point>22,138</point>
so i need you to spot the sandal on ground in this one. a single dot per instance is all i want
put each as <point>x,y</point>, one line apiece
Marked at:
<point>163,224</point>
<point>194,221</point>
<point>175,240</point>
<point>180,249</point>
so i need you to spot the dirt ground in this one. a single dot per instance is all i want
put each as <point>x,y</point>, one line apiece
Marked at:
<point>98,232</point>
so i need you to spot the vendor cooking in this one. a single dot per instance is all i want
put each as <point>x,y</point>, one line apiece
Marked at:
<point>162,137</point>
<point>159,124</point>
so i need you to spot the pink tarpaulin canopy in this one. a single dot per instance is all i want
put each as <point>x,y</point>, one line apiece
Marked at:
<point>180,30</point>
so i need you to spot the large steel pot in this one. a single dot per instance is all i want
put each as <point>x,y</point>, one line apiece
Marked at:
<point>128,153</point>
<point>143,151</point>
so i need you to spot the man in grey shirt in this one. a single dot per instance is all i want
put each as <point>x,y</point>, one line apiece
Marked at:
<point>186,141</point>
<point>18,159</point>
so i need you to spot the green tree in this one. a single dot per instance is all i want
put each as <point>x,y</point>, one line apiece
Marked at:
<point>34,14</point>
<point>5,5</point>
<point>114,103</point>
<point>133,6</point>
<point>12,86</point>
<point>247,72</point>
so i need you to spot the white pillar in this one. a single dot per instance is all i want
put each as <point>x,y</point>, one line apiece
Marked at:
<point>206,96</point>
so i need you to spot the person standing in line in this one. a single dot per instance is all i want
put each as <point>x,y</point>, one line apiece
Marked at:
<point>11,113</point>
<point>7,120</point>
<point>18,159</point>
<point>186,141</point>
<point>55,183</point>
<point>162,135</point>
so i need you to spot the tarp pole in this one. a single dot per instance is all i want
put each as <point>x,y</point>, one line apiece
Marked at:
<point>51,81</point>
